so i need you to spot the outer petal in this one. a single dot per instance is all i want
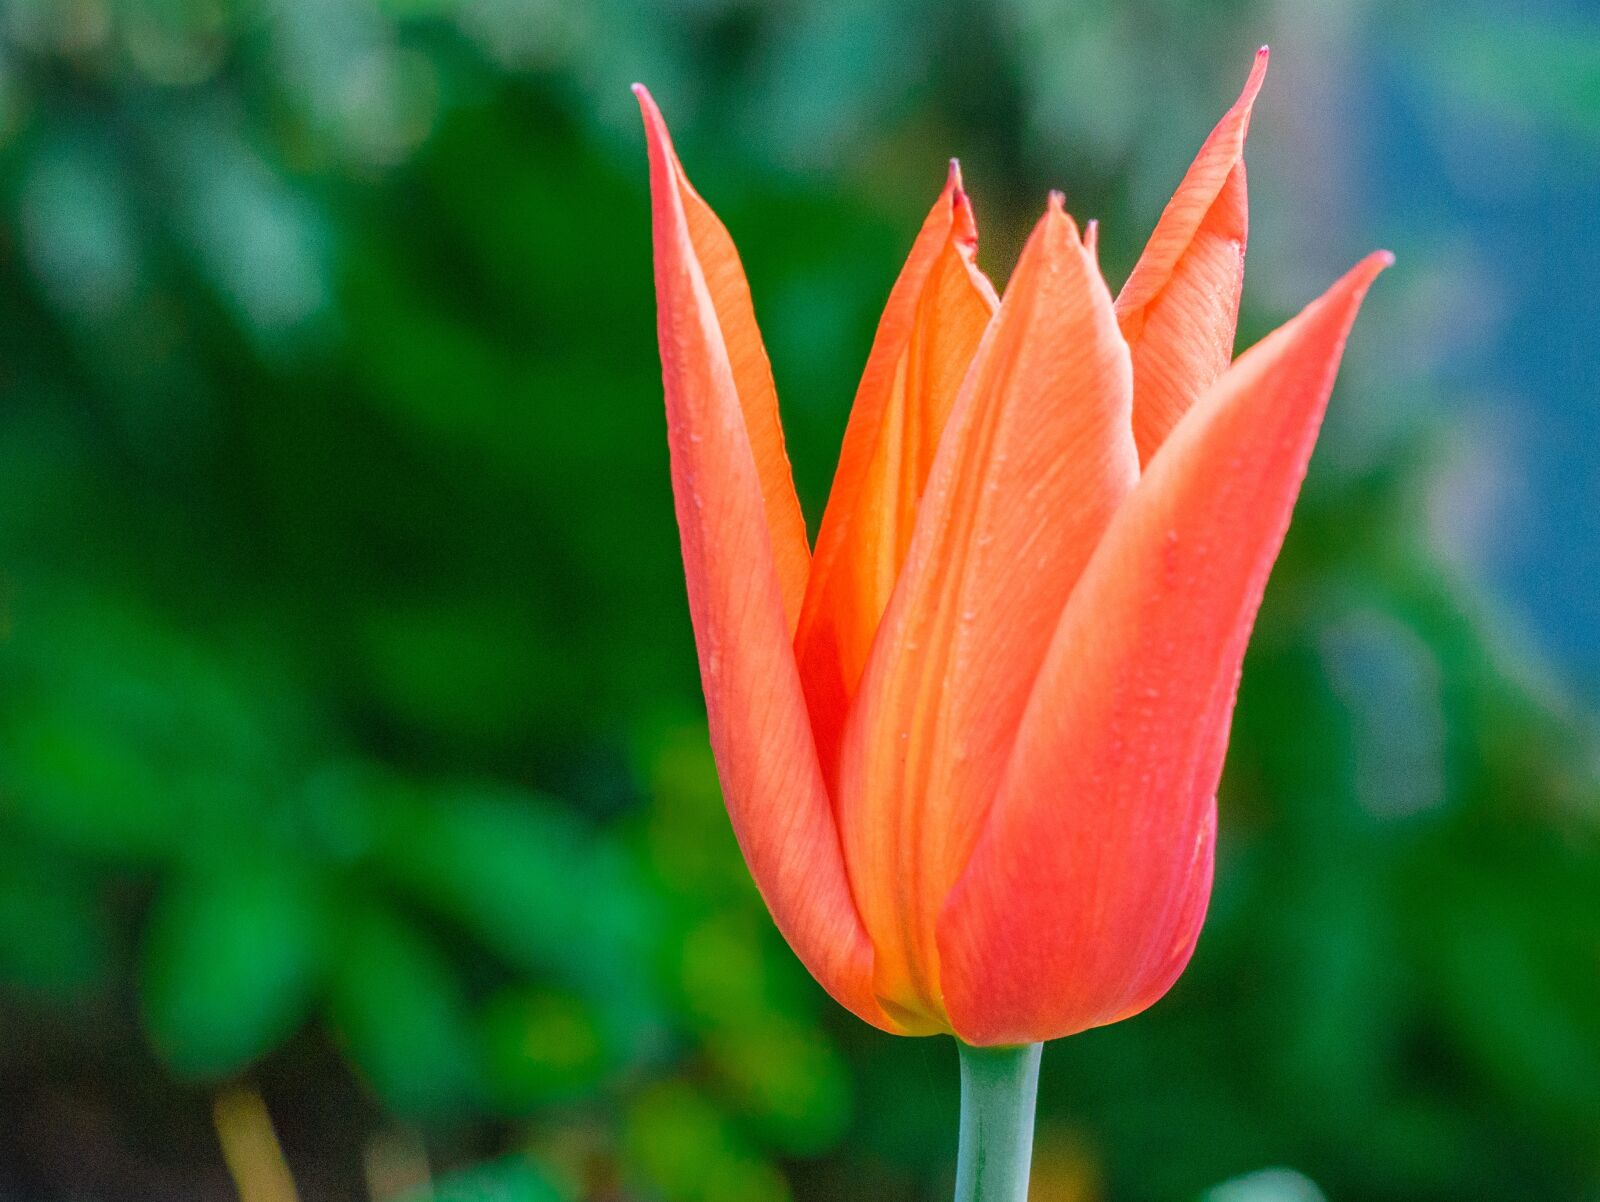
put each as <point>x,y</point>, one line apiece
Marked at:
<point>1179,308</point>
<point>734,317</point>
<point>931,327</point>
<point>760,732</point>
<point>1035,458</point>
<point>1083,898</point>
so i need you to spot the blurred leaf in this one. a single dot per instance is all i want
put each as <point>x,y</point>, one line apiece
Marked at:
<point>511,1180</point>
<point>55,935</point>
<point>127,740</point>
<point>726,975</point>
<point>788,1079</point>
<point>687,1152</point>
<point>537,886</point>
<point>540,1046</point>
<point>77,221</point>
<point>1514,978</point>
<point>463,667</point>
<point>232,955</point>
<point>691,842</point>
<point>74,784</point>
<point>398,1010</point>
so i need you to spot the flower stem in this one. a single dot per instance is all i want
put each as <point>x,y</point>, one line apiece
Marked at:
<point>998,1089</point>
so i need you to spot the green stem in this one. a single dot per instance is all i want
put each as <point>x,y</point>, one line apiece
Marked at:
<point>998,1090</point>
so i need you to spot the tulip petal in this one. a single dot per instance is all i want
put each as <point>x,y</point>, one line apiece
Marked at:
<point>712,249</point>
<point>935,317</point>
<point>1036,456</point>
<point>1084,895</point>
<point>1180,306</point>
<point>760,731</point>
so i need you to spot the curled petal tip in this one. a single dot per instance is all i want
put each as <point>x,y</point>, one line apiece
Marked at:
<point>1263,51</point>
<point>638,89</point>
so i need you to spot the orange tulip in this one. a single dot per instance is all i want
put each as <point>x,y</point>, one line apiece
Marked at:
<point>970,745</point>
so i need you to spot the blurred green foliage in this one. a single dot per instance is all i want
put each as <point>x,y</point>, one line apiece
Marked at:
<point>349,728</point>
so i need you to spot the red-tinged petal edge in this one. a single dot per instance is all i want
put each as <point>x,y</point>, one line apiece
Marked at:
<point>1180,306</point>
<point>760,730</point>
<point>1035,458</point>
<point>935,317</point>
<point>1083,898</point>
<point>734,313</point>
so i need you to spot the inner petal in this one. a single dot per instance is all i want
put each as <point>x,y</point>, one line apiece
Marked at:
<point>1037,454</point>
<point>931,327</point>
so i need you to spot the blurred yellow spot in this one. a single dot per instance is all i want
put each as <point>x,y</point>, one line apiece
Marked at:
<point>250,1147</point>
<point>1064,1168</point>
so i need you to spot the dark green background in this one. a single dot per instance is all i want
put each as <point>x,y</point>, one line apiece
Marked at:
<point>351,748</point>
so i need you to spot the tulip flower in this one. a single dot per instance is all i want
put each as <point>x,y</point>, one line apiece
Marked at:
<point>970,744</point>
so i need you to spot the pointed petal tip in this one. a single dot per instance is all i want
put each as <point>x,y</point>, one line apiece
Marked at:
<point>1257,76</point>
<point>955,188</point>
<point>655,124</point>
<point>955,195</point>
<point>1343,299</point>
<point>1367,270</point>
<point>1057,225</point>
<point>1057,218</point>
